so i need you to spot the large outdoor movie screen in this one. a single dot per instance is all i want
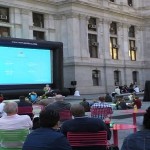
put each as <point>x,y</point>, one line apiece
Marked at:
<point>25,66</point>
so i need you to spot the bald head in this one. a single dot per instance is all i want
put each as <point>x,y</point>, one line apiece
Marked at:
<point>77,110</point>
<point>11,108</point>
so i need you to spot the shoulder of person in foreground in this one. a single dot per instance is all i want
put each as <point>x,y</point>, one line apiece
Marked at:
<point>62,143</point>
<point>129,142</point>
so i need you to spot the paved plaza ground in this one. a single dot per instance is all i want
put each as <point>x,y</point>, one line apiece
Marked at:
<point>117,117</point>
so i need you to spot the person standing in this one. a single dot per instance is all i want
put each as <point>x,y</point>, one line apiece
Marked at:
<point>137,89</point>
<point>117,90</point>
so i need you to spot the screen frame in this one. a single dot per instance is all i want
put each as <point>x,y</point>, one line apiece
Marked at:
<point>57,50</point>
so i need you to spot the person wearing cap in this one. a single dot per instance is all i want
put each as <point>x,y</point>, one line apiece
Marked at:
<point>59,104</point>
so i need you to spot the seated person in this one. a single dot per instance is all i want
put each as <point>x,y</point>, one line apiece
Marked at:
<point>141,139</point>
<point>12,120</point>
<point>23,102</point>
<point>33,97</point>
<point>97,109</point>
<point>137,102</point>
<point>48,92</point>
<point>25,107</point>
<point>121,104</point>
<point>2,113</point>
<point>47,89</point>
<point>82,123</point>
<point>85,104</point>
<point>108,98</point>
<point>47,136</point>
<point>1,97</point>
<point>59,104</point>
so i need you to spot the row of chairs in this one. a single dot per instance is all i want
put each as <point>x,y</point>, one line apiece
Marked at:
<point>13,139</point>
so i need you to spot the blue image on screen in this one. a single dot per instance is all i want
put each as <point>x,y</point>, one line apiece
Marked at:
<point>25,66</point>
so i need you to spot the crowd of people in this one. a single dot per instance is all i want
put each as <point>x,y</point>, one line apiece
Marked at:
<point>48,133</point>
<point>132,88</point>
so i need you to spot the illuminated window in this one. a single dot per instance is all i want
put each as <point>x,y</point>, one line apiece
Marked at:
<point>132,50</point>
<point>95,77</point>
<point>114,48</point>
<point>38,20</point>
<point>4,14</point>
<point>93,45</point>
<point>38,35</point>
<point>4,32</point>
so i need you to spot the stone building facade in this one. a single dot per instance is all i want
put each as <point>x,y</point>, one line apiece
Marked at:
<point>105,42</point>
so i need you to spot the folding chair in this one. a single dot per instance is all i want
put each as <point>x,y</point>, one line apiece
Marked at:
<point>25,110</point>
<point>88,139</point>
<point>65,115</point>
<point>12,139</point>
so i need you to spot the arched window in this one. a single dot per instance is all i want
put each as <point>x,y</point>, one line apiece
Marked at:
<point>96,77</point>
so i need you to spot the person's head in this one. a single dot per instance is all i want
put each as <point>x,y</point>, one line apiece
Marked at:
<point>77,110</point>
<point>11,108</point>
<point>146,119</point>
<point>107,94</point>
<point>84,99</point>
<point>102,99</point>
<point>136,98</point>
<point>59,97</point>
<point>22,98</point>
<point>49,118</point>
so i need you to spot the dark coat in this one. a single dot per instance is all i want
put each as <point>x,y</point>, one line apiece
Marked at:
<point>85,124</point>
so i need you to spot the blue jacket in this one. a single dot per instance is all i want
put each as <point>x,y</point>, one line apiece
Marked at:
<point>137,141</point>
<point>46,139</point>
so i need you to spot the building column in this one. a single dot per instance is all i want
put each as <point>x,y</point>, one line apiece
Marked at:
<point>84,49</point>
<point>125,48</point>
<point>106,51</point>
<point>73,33</point>
<point>25,23</point>
<point>100,37</point>
<point>15,20</point>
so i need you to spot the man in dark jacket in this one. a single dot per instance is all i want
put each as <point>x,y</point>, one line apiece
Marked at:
<point>82,123</point>
<point>47,136</point>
